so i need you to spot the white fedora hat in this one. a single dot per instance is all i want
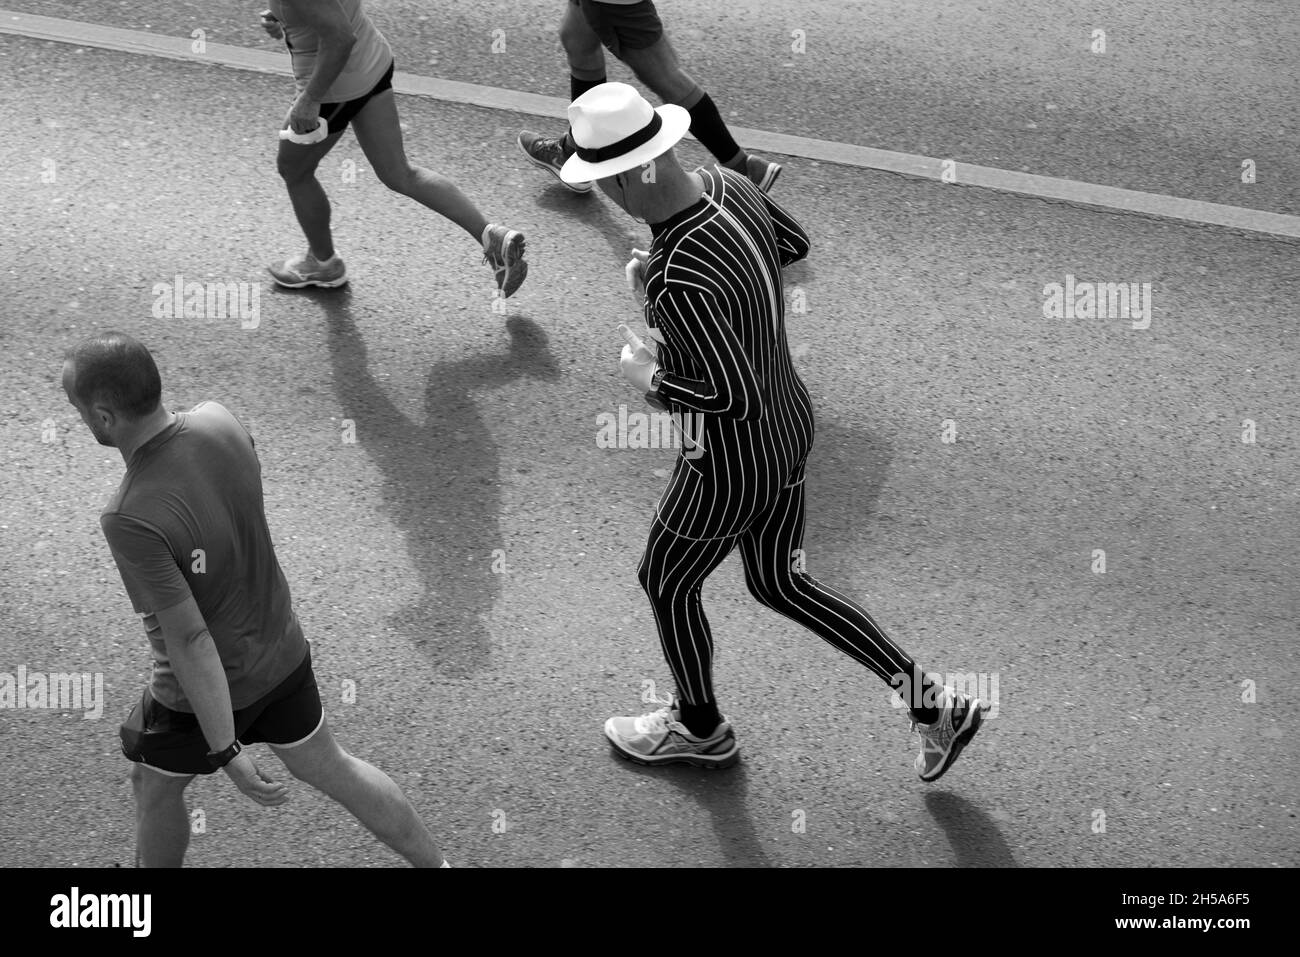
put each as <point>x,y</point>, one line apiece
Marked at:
<point>616,130</point>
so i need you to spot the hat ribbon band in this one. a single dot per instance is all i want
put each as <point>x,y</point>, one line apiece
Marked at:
<point>626,145</point>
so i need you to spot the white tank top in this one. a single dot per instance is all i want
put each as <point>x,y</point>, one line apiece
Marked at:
<point>367,62</point>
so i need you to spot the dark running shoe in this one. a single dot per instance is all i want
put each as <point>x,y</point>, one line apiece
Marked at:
<point>549,155</point>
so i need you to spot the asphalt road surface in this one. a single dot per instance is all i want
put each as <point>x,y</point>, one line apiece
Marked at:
<point>468,563</point>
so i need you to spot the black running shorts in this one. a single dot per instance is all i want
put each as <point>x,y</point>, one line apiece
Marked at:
<point>632,26</point>
<point>339,115</point>
<point>172,741</point>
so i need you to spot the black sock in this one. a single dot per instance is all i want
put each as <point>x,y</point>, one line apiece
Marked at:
<point>577,87</point>
<point>701,720</point>
<point>923,704</point>
<point>708,128</point>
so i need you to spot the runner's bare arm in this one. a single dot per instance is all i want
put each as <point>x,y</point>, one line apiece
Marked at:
<point>331,25</point>
<point>194,659</point>
<point>193,656</point>
<point>159,591</point>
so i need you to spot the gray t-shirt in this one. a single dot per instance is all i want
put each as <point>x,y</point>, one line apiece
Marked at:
<point>188,519</point>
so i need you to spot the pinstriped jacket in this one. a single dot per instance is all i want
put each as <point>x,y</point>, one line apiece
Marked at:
<point>715,294</point>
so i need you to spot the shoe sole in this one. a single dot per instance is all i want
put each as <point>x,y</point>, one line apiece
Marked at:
<point>975,718</point>
<point>322,283</point>
<point>512,257</point>
<point>519,272</point>
<point>731,759</point>
<point>572,187</point>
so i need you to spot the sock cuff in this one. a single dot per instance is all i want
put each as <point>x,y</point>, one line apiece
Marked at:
<point>710,129</point>
<point>694,98</point>
<point>579,85</point>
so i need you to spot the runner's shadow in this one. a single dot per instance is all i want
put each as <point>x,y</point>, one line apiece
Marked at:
<point>441,478</point>
<point>616,227</point>
<point>974,835</point>
<point>722,794</point>
<point>847,470</point>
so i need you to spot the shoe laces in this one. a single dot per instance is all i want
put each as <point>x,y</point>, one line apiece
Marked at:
<point>554,151</point>
<point>936,739</point>
<point>495,252</point>
<point>656,721</point>
<point>670,701</point>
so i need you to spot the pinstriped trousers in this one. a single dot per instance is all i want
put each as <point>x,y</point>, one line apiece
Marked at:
<point>673,569</point>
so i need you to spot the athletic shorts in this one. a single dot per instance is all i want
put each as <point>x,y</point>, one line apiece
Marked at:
<point>632,26</point>
<point>172,741</point>
<point>339,115</point>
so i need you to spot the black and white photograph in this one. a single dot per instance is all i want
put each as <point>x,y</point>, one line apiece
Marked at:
<point>651,434</point>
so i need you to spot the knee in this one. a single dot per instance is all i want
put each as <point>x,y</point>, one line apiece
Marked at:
<point>667,596</point>
<point>324,772</point>
<point>312,774</point>
<point>658,69</point>
<point>760,591</point>
<point>293,171</point>
<point>153,790</point>
<point>136,776</point>
<point>771,591</point>
<point>397,178</point>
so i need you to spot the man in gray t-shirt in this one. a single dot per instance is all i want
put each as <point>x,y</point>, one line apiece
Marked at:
<point>188,520</point>
<point>231,666</point>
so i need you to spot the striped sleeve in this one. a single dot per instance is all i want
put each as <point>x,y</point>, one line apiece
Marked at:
<point>791,240</point>
<point>731,388</point>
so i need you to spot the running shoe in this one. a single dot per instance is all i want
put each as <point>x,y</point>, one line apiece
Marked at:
<point>762,173</point>
<point>661,738</point>
<point>549,155</point>
<point>960,716</point>
<point>307,270</point>
<point>504,252</point>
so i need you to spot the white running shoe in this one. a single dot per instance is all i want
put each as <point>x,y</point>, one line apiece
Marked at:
<point>661,738</point>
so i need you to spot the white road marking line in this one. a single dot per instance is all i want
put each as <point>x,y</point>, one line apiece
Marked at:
<point>514,101</point>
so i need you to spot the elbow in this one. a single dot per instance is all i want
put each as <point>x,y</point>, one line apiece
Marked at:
<point>796,252</point>
<point>751,408</point>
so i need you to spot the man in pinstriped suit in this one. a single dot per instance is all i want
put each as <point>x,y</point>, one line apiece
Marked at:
<point>715,303</point>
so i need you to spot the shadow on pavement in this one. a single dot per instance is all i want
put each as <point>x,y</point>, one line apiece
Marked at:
<point>847,469</point>
<point>974,835</point>
<point>722,795</point>
<point>615,226</point>
<point>441,478</point>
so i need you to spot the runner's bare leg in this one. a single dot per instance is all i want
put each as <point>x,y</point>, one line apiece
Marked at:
<point>370,794</point>
<point>380,134</point>
<point>162,825</point>
<point>297,165</point>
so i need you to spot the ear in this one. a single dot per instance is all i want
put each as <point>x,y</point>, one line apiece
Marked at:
<point>104,414</point>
